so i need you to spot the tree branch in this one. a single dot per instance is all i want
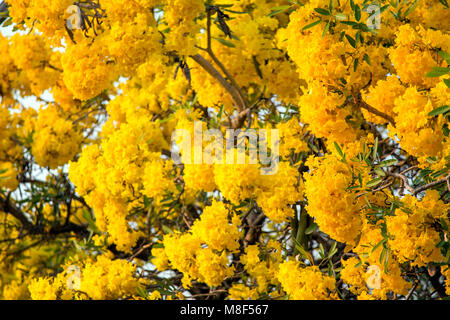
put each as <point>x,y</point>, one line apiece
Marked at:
<point>417,190</point>
<point>208,67</point>
<point>8,207</point>
<point>359,102</point>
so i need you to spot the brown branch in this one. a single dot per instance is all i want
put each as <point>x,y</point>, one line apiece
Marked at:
<point>243,104</point>
<point>208,67</point>
<point>8,207</point>
<point>417,190</point>
<point>408,296</point>
<point>357,101</point>
<point>371,109</point>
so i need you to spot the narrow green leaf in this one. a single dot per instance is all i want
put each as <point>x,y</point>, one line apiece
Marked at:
<point>322,11</point>
<point>278,10</point>
<point>411,8</point>
<point>375,148</point>
<point>352,5</point>
<point>351,41</point>
<point>378,245</point>
<point>444,224</point>
<point>340,16</point>
<point>367,59</point>
<point>373,183</point>
<point>447,82</point>
<point>357,10</point>
<point>349,23</point>
<point>333,250</point>
<point>358,37</point>
<point>311,228</point>
<point>219,115</point>
<point>383,252</point>
<point>380,172</point>
<point>439,110</point>
<point>315,23</point>
<point>338,149</point>
<point>387,163</point>
<point>355,64</point>
<point>383,8</point>
<point>438,72</point>
<point>325,30</point>
<point>225,42</point>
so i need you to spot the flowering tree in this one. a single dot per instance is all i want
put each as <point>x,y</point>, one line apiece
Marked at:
<point>93,204</point>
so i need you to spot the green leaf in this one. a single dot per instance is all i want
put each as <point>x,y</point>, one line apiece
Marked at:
<point>257,68</point>
<point>355,64</point>
<point>7,22</point>
<point>367,59</point>
<point>278,10</point>
<point>378,245</point>
<point>352,5</point>
<point>322,11</point>
<point>411,8</point>
<point>340,16</point>
<point>166,229</point>
<point>225,42</point>
<point>375,148</point>
<point>311,228</point>
<point>358,37</point>
<point>338,149</point>
<point>351,41</point>
<point>219,115</point>
<point>379,172</point>
<point>387,163</point>
<point>447,82</point>
<point>349,23</point>
<point>143,293</point>
<point>438,111</point>
<point>357,10</point>
<point>438,72</point>
<point>383,8</point>
<point>383,252</point>
<point>315,23</point>
<point>373,183</point>
<point>333,250</point>
<point>325,30</point>
<point>444,224</point>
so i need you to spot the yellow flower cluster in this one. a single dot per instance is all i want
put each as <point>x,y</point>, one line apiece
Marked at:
<point>419,134</point>
<point>336,211</point>
<point>324,113</point>
<point>86,72</point>
<point>413,54</point>
<point>263,265</point>
<point>306,283</point>
<point>55,141</point>
<point>413,237</point>
<point>186,253</point>
<point>383,96</point>
<point>48,17</point>
<point>180,17</point>
<point>128,166</point>
<point>101,278</point>
<point>8,175</point>
<point>291,134</point>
